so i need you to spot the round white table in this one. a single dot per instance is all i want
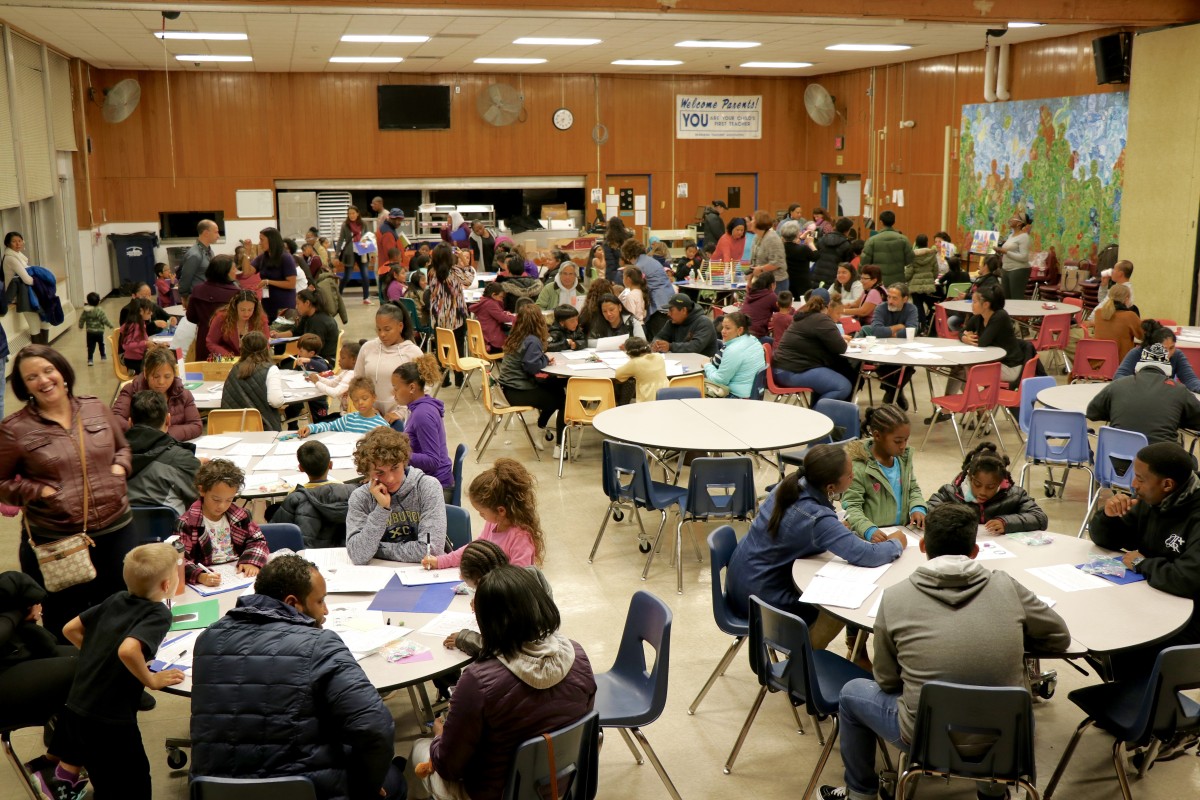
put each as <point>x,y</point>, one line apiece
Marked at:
<point>1100,620</point>
<point>287,478</point>
<point>208,394</point>
<point>1073,397</point>
<point>931,353</point>
<point>588,368</point>
<point>1016,308</point>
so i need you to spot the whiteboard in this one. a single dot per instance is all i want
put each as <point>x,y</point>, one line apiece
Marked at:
<point>255,203</point>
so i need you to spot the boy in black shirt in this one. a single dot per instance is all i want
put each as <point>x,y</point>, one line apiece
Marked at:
<point>565,333</point>
<point>98,727</point>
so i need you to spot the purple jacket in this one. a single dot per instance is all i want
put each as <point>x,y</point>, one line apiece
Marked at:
<point>427,434</point>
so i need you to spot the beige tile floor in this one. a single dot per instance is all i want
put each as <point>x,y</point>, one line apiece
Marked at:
<point>775,761</point>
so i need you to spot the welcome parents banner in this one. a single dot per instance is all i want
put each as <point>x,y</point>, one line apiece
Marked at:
<point>706,116</point>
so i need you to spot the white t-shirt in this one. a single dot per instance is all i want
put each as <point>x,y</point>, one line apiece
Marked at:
<point>222,540</point>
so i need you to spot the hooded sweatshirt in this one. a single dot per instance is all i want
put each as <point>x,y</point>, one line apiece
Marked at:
<point>427,435</point>
<point>500,702</point>
<point>554,294</point>
<point>759,305</point>
<point>164,471</point>
<point>377,361</point>
<point>413,527</point>
<point>955,620</point>
<point>1148,402</point>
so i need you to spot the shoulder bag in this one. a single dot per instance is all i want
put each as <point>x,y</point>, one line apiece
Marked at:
<point>66,562</point>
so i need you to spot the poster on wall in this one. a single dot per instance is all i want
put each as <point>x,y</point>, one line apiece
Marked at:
<point>706,116</point>
<point>1060,160</point>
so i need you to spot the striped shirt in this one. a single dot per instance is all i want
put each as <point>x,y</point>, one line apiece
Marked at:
<point>350,423</point>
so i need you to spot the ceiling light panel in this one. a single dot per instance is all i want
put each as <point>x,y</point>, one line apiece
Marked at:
<point>1026,24</point>
<point>645,62</point>
<point>777,64</point>
<point>510,61</point>
<point>369,38</point>
<point>365,60</point>
<point>716,43</point>
<point>556,40</point>
<point>211,57</point>
<point>870,48</point>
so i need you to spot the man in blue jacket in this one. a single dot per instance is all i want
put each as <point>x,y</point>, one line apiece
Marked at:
<point>273,695</point>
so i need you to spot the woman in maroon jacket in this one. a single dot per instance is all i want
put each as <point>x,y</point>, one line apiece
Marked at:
<point>492,316</point>
<point>41,470</point>
<point>760,303</point>
<point>158,375</point>
<point>528,680</point>
<point>242,314</point>
<point>219,286</point>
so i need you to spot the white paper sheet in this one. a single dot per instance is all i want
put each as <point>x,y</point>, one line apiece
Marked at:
<point>884,351</point>
<point>251,448</point>
<point>276,464</point>
<point>328,558</point>
<point>241,462</point>
<point>257,481</point>
<point>576,355</point>
<point>364,643</point>
<point>874,612</point>
<point>841,571</point>
<point>830,592</point>
<point>912,535</point>
<point>424,577</point>
<point>1068,578</point>
<point>449,622</point>
<point>584,366</point>
<point>341,449</point>
<point>611,342</point>
<point>288,448</point>
<point>991,550</point>
<point>914,345</point>
<point>230,580</point>
<point>924,355</point>
<point>346,462</point>
<point>177,652</point>
<point>676,369</point>
<point>295,479</point>
<point>340,437</point>
<point>354,579</point>
<point>215,442</point>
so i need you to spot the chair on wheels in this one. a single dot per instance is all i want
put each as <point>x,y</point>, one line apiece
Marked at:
<point>234,420</point>
<point>294,787</point>
<point>586,398</point>
<point>721,544</point>
<point>1059,439</point>
<point>979,733</point>
<point>574,760</point>
<point>1115,451</point>
<point>1095,360</point>
<point>631,694</point>
<point>153,523</point>
<point>448,357</point>
<point>460,455</point>
<point>787,393</point>
<point>980,395</point>
<point>282,535</point>
<point>458,526</point>
<point>1143,712</point>
<point>843,414</point>
<point>496,415</point>
<point>625,476</point>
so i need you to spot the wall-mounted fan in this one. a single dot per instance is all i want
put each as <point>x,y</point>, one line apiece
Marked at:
<point>121,100</point>
<point>500,104</point>
<point>819,104</point>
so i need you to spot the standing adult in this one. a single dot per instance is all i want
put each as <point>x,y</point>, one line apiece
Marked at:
<point>820,222</point>
<point>351,234</point>
<point>833,250</point>
<point>615,236</point>
<point>278,270</point>
<point>449,275</point>
<point>483,245</point>
<point>64,460</point>
<point>388,233</point>
<point>713,226</point>
<point>889,249</point>
<point>732,246</point>
<point>457,230</point>
<point>798,258</point>
<point>314,320</point>
<point>767,253</point>
<point>213,294</point>
<point>795,213</point>
<point>16,264</point>
<point>658,283</point>
<point>195,260</point>
<point>1015,252</point>
<point>379,210</point>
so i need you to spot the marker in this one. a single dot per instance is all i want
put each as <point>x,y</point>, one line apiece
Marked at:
<point>206,569</point>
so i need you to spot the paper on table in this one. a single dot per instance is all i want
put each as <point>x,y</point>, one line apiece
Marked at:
<point>576,355</point>
<point>354,579</point>
<point>230,580</point>
<point>297,379</point>
<point>912,536</point>
<point>841,571</point>
<point>340,437</point>
<point>830,592</point>
<point>961,348</point>
<point>340,450</point>
<point>215,442</point>
<point>288,448</point>
<point>906,345</point>
<point>328,558</point>
<point>345,462</point>
<point>676,368</point>
<point>885,351</point>
<point>276,463</point>
<point>1068,578</point>
<point>991,550</point>
<point>216,388</point>
<point>252,449</point>
<point>449,622</point>
<point>364,643</point>
<point>295,479</point>
<point>262,480</point>
<point>874,612</point>
<point>418,576</point>
<point>1049,601</point>
<point>924,355</point>
<point>175,654</point>
<point>611,342</point>
<point>588,365</point>
<point>241,462</point>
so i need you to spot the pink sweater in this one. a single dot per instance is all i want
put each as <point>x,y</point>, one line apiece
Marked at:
<point>517,544</point>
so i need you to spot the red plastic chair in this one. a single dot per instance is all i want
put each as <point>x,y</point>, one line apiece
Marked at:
<point>981,395</point>
<point>1054,335</point>
<point>1010,399</point>
<point>850,325</point>
<point>1167,323</point>
<point>1192,354</point>
<point>774,388</point>
<point>941,323</point>
<point>1095,360</point>
<point>1077,318</point>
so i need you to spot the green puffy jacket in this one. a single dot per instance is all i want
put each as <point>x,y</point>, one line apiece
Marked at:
<point>921,273</point>
<point>869,502</point>
<point>891,252</point>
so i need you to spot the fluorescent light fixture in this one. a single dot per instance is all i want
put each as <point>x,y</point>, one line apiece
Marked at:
<point>371,38</point>
<point>777,64</point>
<point>717,43</point>
<point>1026,24</point>
<point>365,60</point>
<point>555,40</point>
<point>218,37</point>
<point>211,57</point>
<point>510,61</point>
<point>645,62</point>
<point>870,48</point>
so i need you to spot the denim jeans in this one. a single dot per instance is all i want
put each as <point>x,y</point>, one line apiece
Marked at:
<point>823,381</point>
<point>4,366</point>
<point>782,285</point>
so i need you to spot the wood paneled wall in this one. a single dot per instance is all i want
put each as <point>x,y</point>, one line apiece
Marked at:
<point>245,130</point>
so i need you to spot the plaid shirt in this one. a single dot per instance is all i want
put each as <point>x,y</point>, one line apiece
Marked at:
<point>248,541</point>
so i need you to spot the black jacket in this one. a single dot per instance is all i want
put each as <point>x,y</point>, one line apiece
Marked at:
<point>714,226</point>
<point>560,336</point>
<point>1147,402</point>
<point>164,470</point>
<point>799,267</point>
<point>1012,505</point>
<point>697,334</point>
<point>812,340</point>
<point>21,640</point>
<point>832,249</point>
<point>320,511</point>
<point>999,333</point>
<point>324,326</point>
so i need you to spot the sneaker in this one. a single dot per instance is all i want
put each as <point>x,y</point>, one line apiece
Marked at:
<point>103,357</point>
<point>1169,751</point>
<point>833,793</point>
<point>557,453</point>
<point>90,362</point>
<point>147,701</point>
<point>55,783</point>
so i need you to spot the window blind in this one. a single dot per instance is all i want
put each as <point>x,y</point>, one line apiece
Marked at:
<point>8,159</point>
<point>60,102</point>
<point>31,119</point>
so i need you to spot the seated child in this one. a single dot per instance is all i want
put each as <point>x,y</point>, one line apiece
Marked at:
<point>215,530</point>
<point>424,426</point>
<point>782,318</point>
<point>647,368</point>
<point>95,321</point>
<point>364,417</point>
<point>164,471</point>
<point>954,274</point>
<point>690,262</point>
<point>506,498</point>
<point>986,485</point>
<point>307,358</point>
<point>478,559</point>
<point>253,379</point>
<point>336,386</point>
<point>493,319</point>
<point>97,730</point>
<point>395,276</point>
<point>319,506</point>
<point>164,284</point>
<point>132,338</point>
<point>565,333</point>
<point>399,514</point>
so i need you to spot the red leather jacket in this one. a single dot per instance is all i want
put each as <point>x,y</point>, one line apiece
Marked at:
<point>35,453</point>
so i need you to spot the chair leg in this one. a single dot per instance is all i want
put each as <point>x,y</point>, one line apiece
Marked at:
<point>957,435</point>
<point>528,436</point>
<point>637,756</point>
<point>999,438</point>
<point>825,751</point>
<point>1087,515</point>
<point>933,421</point>
<point>799,722</point>
<point>679,557</point>
<point>1066,756</point>
<point>658,767</point>
<point>18,767</point>
<point>1118,757</point>
<point>562,450</point>
<point>695,544</point>
<point>745,731</point>
<point>722,665</point>
<point>607,516</point>
<point>489,431</point>
<point>657,543</point>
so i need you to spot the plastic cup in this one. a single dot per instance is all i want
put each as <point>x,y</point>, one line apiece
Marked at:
<point>910,333</point>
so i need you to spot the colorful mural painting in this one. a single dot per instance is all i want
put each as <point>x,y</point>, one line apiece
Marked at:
<point>1060,159</point>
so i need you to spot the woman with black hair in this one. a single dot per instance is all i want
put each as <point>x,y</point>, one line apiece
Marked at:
<point>449,274</point>
<point>350,234</point>
<point>278,270</point>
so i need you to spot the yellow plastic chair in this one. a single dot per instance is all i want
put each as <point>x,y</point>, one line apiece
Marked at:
<point>337,357</point>
<point>114,350</point>
<point>210,370</point>
<point>234,420</point>
<point>447,351</point>
<point>586,397</point>
<point>477,345</point>
<point>497,414</point>
<point>695,380</point>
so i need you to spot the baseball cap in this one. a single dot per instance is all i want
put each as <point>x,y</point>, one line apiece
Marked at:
<point>396,213</point>
<point>681,301</point>
<point>821,293</point>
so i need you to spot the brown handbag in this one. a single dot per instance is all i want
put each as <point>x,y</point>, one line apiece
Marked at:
<point>66,562</point>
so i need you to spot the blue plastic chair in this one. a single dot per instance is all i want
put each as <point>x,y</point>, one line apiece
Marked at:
<point>1060,439</point>
<point>576,759</point>
<point>425,331</point>
<point>1030,387</point>
<point>844,415</point>
<point>630,695</point>
<point>153,523</point>
<point>293,787</point>
<point>280,535</point>
<point>1139,711</point>
<point>625,476</point>
<point>758,389</point>
<point>721,544</point>
<point>678,393</point>
<point>460,454</point>
<point>999,749</point>
<point>810,677</point>
<point>1115,451</point>
<point>458,526</point>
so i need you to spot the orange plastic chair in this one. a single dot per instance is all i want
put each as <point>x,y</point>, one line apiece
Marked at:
<point>234,420</point>
<point>586,398</point>
<point>774,388</point>
<point>1054,335</point>
<point>980,395</point>
<point>941,323</point>
<point>1095,360</point>
<point>1010,399</point>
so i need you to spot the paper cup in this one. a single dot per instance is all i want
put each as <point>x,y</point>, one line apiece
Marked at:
<point>910,333</point>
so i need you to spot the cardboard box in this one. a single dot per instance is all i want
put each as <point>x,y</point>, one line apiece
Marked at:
<point>557,211</point>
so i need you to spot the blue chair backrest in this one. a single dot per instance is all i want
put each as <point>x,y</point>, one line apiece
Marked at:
<point>721,487</point>
<point>759,388</point>
<point>648,623</point>
<point>678,393</point>
<point>280,535</point>
<point>998,720</point>
<point>153,523</point>
<point>626,473</point>
<point>721,545</point>
<point>294,787</point>
<point>1115,450</point>
<point>460,453</point>
<point>411,306</point>
<point>1029,392</point>
<point>777,637</point>
<point>844,415</point>
<point>1164,709</point>
<point>576,756</point>
<point>458,526</point>
<point>1058,437</point>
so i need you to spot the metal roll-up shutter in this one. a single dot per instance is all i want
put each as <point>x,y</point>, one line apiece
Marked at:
<point>9,198</point>
<point>31,119</point>
<point>60,102</point>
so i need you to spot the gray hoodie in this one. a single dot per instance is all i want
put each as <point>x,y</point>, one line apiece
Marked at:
<point>412,528</point>
<point>955,620</point>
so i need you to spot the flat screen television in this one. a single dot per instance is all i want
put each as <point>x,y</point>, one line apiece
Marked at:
<point>182,224</point>
<point>414,107</point>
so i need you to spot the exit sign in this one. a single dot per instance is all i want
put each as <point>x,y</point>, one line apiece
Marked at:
<point>839,142</point>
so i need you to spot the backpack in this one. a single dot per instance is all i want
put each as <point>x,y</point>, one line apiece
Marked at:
<point>1106,258</point>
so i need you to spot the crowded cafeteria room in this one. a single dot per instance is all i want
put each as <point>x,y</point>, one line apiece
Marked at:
<point>406,399</point>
